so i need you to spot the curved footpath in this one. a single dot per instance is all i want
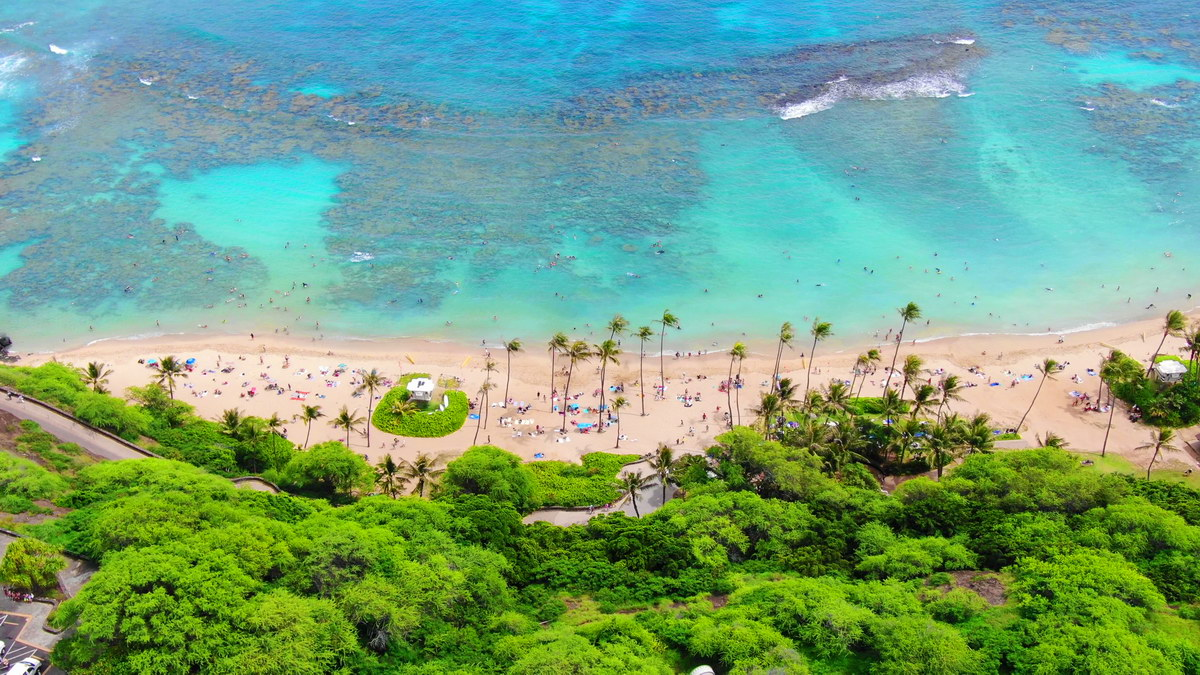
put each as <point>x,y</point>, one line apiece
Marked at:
<point>70,430</point>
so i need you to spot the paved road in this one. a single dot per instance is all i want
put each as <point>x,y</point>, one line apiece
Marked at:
<point>68,430</point>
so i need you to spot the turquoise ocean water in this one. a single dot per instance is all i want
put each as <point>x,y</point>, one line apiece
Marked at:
<point>479,170</point>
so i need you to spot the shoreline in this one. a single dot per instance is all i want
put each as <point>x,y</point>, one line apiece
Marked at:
<point>1000,358</point>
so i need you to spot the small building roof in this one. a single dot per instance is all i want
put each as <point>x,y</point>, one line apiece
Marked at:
<point>422,384</point>
<point>1170,367</point>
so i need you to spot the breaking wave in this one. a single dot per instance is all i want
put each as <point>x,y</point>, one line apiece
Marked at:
<point>927,85</point>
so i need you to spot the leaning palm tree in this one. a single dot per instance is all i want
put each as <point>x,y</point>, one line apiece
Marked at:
<point>1047,368</point>
<point>371,381</point>
<point>619,403</point>
<point>309,413</point>
<point>821,330</point>
<point>663,464</point>
<point>873,357</point>
<point>860,368</point>
<point>423,469</point>
<point>1160,440</point>
<point>480,419</point>
<point>169,369</point>
<point>644,333</point>
<point>231,422</point>
<point>737,352</point>
<point>769,408</point>
<point>388,476</point>
<point>787,333</point>
<point>1116,370</point>
<point>1052,440</point>
<point>912,368</point>
<point>489,367</point>
<point>577,352</point>
<point>950,386</point>
<point>346,420</point>
<point>557,345</point>
<point>95,375</point>
<point>631,484</point>
<point>668,320</point>
<point>511,347</point>
<point>617,326</point>
<point>607,352</point>
<point>909,312</point>
<point>1192,346</point>
<point>1174,324</point>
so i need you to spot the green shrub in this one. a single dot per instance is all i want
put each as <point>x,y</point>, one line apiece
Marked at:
<point>22,482</point>
<point>421,423</point>
<point>566,484</point>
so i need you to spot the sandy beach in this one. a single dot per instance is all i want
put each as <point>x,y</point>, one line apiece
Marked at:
<point>998,361</point>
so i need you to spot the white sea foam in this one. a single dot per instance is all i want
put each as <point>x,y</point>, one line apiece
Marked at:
<point>58,50</point>
<point>964,41</point>
<point>9,65</point>
<point>13,29</point>
<point>145,81</point>
<point>1159,101</point>
<point>928,85</point>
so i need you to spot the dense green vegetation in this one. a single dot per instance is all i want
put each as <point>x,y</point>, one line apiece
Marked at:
<point>1163,405</point>
<point>1014,562</point>
<point>396,414</point>
<point>592,484</point>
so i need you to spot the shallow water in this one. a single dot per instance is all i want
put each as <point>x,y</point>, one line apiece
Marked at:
<point>483,169</point>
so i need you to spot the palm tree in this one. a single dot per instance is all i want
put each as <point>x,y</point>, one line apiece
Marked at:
<point>977,434</point>
<point>911,369</point>
<point>769,408</point>
<point>631,484</point>
<point>489,367</point>
<point>231,422</point>
<point>904,438</point>
<point>738,351</point>
<point>1159,440</point>
<point>557,344</point>
<point>403,407</point>
<point>909,312</point>
<point>924,397</point>
<point>1048,367</point>
<point>841,449</point>
<point>274,423</point>
<point>346,420</point>
<point>950,386</point>
<point>820,330</point>
<point>618,404</point>
<point>483,405</point>
<point>511,347</point>
<point>617,326</point>
<point>644,333</point>
<point>424,470</point>
<point>95,375</point>
<point>388,476</point>
<point>943,441</point>
<point>309,413</point>
<point>1116,369</point>
<point>860,368</point>
<point>837,396</point>
<point>168,370</point>
<point>737,393</point>
<point>1052,440</point>
<point>873,357</point>
<point>787,333</point>
<point>890,404</point>
<point>668,320</point>
<point>1192,338</point>
<point>607,352</point>
<point>1174,324</point>
<point>663,464</point>
<point>577,352</point>
<point>787,396</point>
<point>371,381</point>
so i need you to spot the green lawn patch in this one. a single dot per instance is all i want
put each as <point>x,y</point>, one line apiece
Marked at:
<point>566,484</point>
<point>1117,464</point>
<point>427,421</point>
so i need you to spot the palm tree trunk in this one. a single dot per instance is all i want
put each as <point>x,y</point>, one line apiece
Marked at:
<point>662,372</point>
<point>307,434</point>
<point>1157,447</point>
<point>633,498</point>
<point>737,397</point>
<point>1112,408</point>
<point>812,354</point>
<point>567,393</point>
<point>778,359</point>
<point>478,420</point>
<point>507,377</point>
<point>618,430</point>
<point>729,392</point>
<point>896,354</point>
<point>663,479</point>
<point>370,400</point>
<point>1035,397</point>
<point>553,358</point>
<point>1156,351</point>
<point>853,379</point>
<point>642,376</point>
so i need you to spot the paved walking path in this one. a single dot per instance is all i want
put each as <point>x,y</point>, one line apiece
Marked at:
<point>69,430</point>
